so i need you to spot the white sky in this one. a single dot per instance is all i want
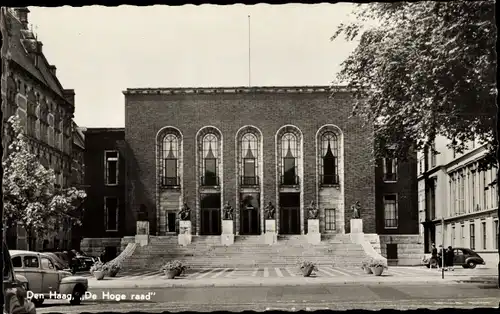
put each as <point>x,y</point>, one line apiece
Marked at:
<point>100,51</point>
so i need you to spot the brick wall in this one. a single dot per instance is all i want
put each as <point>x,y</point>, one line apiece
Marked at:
<point>146,114</point>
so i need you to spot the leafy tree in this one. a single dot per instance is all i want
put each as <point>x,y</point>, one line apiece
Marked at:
<point>30,194</point>
<point>423,69</point>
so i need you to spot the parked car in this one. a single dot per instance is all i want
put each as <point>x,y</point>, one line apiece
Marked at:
<point>84,263</point>
<point>464,257</point>
<point>43,277</point>
<point>11,280</point>
<point>58,264</point>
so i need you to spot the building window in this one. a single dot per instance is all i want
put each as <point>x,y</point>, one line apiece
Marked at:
<point>330,219</point>
<point>329,158</point>
<point>289,155</point>
<point>209,164</point>
<point>474,189</point>
<point>433,154</point>
<point>485,192</point>
<point>421,165</point>
<point>249,164</point>
<point>453,236</point>
<point>462,234</point>
<point>111,169</point>
<point>111,213</point>
<point>461,193</point>
<point>432,198</point>
<point>496,234</point>
<point>472,236</point>
<point>169,160</point>
<point>390,211</point>
<point>390,169</point>
<point>483,232</point>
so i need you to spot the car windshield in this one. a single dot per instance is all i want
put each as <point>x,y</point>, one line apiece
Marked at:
<point>7,270</point>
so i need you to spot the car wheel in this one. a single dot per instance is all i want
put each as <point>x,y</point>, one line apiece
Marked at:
<point>428,265</point>
<point>76,296</point>
<point>37,301</point>
<point>471,265</point>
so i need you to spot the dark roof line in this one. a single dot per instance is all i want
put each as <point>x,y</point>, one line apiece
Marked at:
<point>232,90</point>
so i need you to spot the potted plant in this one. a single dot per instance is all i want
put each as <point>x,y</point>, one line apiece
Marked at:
<point>377,266</point>
<point>307,268</point>
<point>365,265</point>
<point>113,268</point>
<point>98,270</point>
<point>173,269</point>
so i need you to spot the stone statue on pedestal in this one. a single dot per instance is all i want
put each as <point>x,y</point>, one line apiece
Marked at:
<point>228,212</point>
<point>356,210</point>
<point>269,211</point>
<point>185,212</point>
<point>312,211</point>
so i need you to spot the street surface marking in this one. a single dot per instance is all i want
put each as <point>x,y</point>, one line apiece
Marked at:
<point>290,272</point>
<point>220,273</point>
<point>208,272</point>
<point>139,276</point>
<point>266,272</point>
<point>337,271</point>
<point>231,273</point>
<point>153,275</point>
<point>256,270</point>
<point>278,272</point>
<point>196,273</point>
<point>322,269</point>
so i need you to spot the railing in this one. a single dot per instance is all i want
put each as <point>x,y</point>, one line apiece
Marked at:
<point>390,177</point>
<point>289,180</point>
<point>330,179</point>
<point>210,181</point>
<point>170,181</point>
<point>249,181</point>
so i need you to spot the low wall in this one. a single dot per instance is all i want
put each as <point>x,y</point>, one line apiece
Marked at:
<point>97,246</point>
<point>410,249</point>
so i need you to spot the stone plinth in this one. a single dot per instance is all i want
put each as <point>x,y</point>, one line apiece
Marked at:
<point>142,233</point>
<point>184,236</point>
<point>313,236</point>
<point>270,237</point>
<point>227,236</point>
<point>357,235</point>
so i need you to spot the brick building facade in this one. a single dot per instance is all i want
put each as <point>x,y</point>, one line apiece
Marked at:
<point>31,89</point>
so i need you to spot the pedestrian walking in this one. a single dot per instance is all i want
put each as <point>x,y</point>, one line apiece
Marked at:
<point>450,256</point>
<point>442,257</point>
<point>434,257</point>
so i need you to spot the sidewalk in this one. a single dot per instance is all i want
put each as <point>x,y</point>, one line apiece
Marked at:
<point>162,282</point>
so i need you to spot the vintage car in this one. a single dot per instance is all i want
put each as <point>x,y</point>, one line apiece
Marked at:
<point>10,278</point>
<point>45,280</point>
<point>464,257</point>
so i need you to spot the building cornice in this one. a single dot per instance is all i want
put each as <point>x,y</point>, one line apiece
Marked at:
<point>236,90</point>
<point>101,130</point>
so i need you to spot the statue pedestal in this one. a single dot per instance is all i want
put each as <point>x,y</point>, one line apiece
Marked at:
<point>142,233</point>
<point>270,237</point>
<point>357,235</point>
<point>227,236</point>
<point>313,236</point>
<point>184,237</point>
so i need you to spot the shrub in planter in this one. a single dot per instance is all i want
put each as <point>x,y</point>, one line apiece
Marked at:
<point>377,266</point>
<point>365,265</point>
<point>98,270</point>
<point>307,268</point>
<point>173,269</point>
<point>113,268</point>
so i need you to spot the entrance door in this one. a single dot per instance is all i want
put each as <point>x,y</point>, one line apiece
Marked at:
<point>249,213</point>
<point>289,213</point>
<point>210,214</point>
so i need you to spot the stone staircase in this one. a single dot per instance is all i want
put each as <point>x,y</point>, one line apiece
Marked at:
<point>246,252</point>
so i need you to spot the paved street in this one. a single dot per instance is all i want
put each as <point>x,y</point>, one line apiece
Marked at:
<point>271,272</point>
<point>311,298</point>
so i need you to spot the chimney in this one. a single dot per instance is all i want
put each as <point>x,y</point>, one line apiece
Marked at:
<point>69,95</point>
<point>52,69</point>
<point>22,15</point>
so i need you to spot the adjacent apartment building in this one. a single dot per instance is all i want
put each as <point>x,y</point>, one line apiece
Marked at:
<point>31,89</point>
<point>452,187</point>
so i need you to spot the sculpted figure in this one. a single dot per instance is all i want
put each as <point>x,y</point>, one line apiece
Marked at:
<point>185,212</point>
<point>228,212</point>
<point>356,210</point>
<point>312,211</point>
<point>269,211</point>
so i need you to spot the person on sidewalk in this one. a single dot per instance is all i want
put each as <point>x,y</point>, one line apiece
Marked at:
<point>434,257</point>
<point>450,256</point>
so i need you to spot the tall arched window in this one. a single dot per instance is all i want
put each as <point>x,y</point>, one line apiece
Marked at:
<point>289,154</point>
<point>329,158</point>
<point>170,160</point>
<point>209,164</point>
<point>249,155</point>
